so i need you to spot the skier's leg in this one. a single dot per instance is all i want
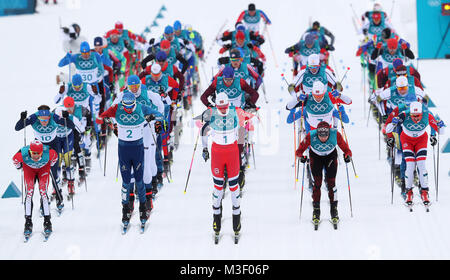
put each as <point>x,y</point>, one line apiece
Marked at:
<point>43,180</point>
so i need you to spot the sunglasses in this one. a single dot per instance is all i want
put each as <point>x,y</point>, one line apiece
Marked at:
<point>228,80</point>
<point>44,119</point>
<point>236,59</point>
<point>129,106</point>
<point>403,88</point>
<point>77,87</point>
<point>314,67</point>
<point>35,153</point>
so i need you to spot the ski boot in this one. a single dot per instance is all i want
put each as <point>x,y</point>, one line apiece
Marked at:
<point>316,215</point>
<point>47,227</point>
<point>149,201</point>
<point>82,174</point>
<point>409,199</point>
<point>236,227</point>
<point>59,202</point>
<point>28,228</point>
<point>217,224</point>
<point>425,198</point>
<point>126,215</point>
<point>143,213</point>
<point>87,159</point>
<point>160,184</point>
<point>334,214</point>
<point>403,188</point>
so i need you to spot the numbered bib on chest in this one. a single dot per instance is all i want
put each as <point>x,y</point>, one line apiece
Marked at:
<point>224,128</point>
<point>130,126</point>
<point>35,164</point>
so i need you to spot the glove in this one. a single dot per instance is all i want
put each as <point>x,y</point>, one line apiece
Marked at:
<point>250,45</point>
<point>365,31</point>
<point>62,88</point>
<point>205,154</point>
<point>94,89</point>
<point>158,127</point>
<point>149,118</point>
<point>396,120</point>
<point>18,166</point>
<point>347,158</point>
<point>116,130</point>
<point>99,120</point>
<point>291,88</point>
<point>379,45</point>
<point>339,86</point>
<point>65,114</point>
<point>301,97</point>
<point>335,93</point>
<point>440,123</point>
<point>303,159</point>
<point>433,140</point>
<point>65,30</point>
<point>404,46</point>
<point>23,115</point>
<point>390,142</point>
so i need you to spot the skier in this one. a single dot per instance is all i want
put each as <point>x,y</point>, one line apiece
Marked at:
<point>376,22</point>
<point>392,51</point>
<point>45,124</point>
<point>131,118</point>
<point>251,18</point>
<point>387,76</point>
<point>302,50</point>
<point>320,32</point>
<point>323,156</point>
<point>223,125</point>
<point>36,160</point>
<point>414,139</point>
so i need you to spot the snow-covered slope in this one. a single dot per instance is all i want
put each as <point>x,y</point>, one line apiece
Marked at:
<point>180,226</point>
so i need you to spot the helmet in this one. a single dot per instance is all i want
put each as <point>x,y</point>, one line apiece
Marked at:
<point>76,28</point>
<point>251,7</point>
<point>84,47</point>
<point>386,33</point>
<point>377,7</point>
<point>77,80</point>
<point>118,25</point>
<point>36,146</point>
<point>222,103</point>
<point>313,60</point>
<point>156,68</point>
<point>316,24</point>
<point>235,53</point>
<point>161,56</point>
<point>133,80</point>
<point>177,25</point>
<point>415,107</point>
<point>240,35</point>
<point>168,29</point>
<point>69,102</point>
<point>397,62</point>
<point>309,39</point>
<point>228,72</point>
<point>165,44</point>
<point>98,41</point>
<point>318,88</point>
<point>401,81</point>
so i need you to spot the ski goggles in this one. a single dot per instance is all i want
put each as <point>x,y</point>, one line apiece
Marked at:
<point>38,154</point>
<point>78,87</point>
<point>228,80</point>
<point>156,76</point>
<point>323,131</point>
<point>402,88</point>
<point>236,59</point>
<point>134,88</point>
<point>313,67</point>
<point>416,117</point>
<point>129,105</point>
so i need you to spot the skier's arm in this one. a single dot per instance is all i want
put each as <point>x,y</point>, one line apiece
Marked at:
<point>265,17</point>
<point>61,121</point>
<point>208,92</point>
<point>110,113</point>
<point>303,145</point>
<point>28,121</point>
<point>18,160</point>
<point>69,58</point>
<point>178,75</point>
<point>254,95</point>
<point>62,92</point>
<point>329,34</point>
<point>147,59</point>
<point>183,61</point>
<point>255,75</point>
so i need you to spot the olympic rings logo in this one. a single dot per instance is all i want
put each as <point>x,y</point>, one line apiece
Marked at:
<point>376,29</point>
<point>308,51</point>
<point>45,129</point>
<point>323,147</point>
<point>129,118</point>
<point>78,96</point>
<point>86,64</point>
<point>319,107</point>
<point>239,75</point>
<point>415,126</point>
<point>389,57</point>
<point>250,19</point>
<point>224,122</point>
<point>231,92</point>
<point>310,80</point>
<point>171,60</point>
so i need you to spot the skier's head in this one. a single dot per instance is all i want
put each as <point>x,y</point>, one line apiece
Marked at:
<point>400,71</point>
<point>156,72</point>
<point>240,38</point>
<point>77,82</point>
<point>128,102</point>
<point>77,30</point>
<point>177,28</point>
<point>386,33</point>
<point>165,46</point>
<point>235,58</point>
<point>115,35</point>
<point>161,58</point>
<point>168,33</point>
<point>251,9</point>
<point>36,149</point>
<point>85,50</point>
<point>377,7</point>
<point>69,103</point>
<point>239,26</point>
<point>397,62</point>
<point>222,103</point>
<point>133,83</point>
<point>392,45</point>
<point>415,111</point>
<point>318,91</point>
<point>309,40</point>
<point>44,115</point>
<point>402,85</point>
<point>99,44</point>
<point>376,18</point>
<point>313,63</point>
<point>119,27</point>
<point>228,75</point>
<point>323,131</point>
<point>316,25</point>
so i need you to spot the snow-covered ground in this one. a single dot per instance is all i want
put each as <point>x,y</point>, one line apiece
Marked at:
<point>180,226</point>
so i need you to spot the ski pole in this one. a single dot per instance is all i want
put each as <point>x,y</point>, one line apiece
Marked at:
<point>215,39</point>
<point>346,140</point>
<point>68,154</point>
<point>24,144</point>
<point>349,193</point>
<point>354,14</point>
<point>271,47</point>
<point>392,173</point>
<point>437,170</point>
<point>117,172</point>
<point>192,160</point>
<point>301,197</point>
<point>106,150</point>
